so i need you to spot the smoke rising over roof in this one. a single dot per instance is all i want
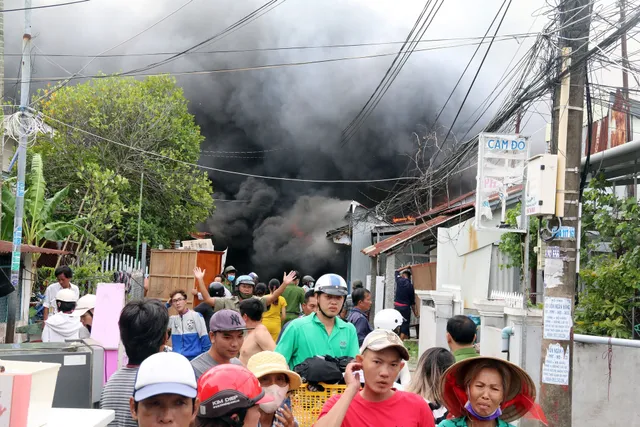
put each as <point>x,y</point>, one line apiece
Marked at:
<point>282,121</point>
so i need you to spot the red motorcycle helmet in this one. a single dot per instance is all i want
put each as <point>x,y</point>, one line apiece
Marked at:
<point>225,390</point>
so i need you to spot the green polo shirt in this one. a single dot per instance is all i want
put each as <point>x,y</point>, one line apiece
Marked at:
<point>465,353</point>
<point>307,337</point>
<point>295,297</point>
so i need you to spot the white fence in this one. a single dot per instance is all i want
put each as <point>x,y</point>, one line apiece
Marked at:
<point>122,262</point>
<point>511,299</point>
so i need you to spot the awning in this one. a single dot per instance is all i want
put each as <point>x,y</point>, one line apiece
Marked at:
<point>405,236</point>
<point>7,247</point>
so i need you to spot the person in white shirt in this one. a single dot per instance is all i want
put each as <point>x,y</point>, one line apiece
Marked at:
<point>64,275</point>
<point>63,325</point>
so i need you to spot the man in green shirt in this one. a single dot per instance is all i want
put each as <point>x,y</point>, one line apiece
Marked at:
<point>323,332</point>
<point>461,335</point>
<point>294,295</point>
<point>246,287</point>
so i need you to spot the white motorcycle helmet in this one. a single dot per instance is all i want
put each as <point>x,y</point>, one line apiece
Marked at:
<point>331,284</point>
<point>389,319</point>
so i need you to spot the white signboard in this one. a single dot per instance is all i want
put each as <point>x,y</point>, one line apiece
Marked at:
<point>198,245</point>
<point>555,369</point>
<point>501,169</point>
<point>557,318</point>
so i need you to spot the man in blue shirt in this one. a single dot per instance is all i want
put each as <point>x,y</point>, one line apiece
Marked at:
<point>405,299</point>
<point>188,332</point>
<point>358,316</point>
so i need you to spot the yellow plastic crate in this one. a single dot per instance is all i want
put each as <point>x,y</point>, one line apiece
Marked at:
<point>307,405</point>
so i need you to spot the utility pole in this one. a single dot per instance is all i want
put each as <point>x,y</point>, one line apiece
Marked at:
<point>560,284</point>
<point>13,302</point>
<point>1,102</point>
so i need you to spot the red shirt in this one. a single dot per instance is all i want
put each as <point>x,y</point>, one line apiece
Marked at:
<point>401,410</point>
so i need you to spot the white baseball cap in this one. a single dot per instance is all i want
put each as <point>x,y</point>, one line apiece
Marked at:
<point>165,373</point>
<point>66,295</point>
<point>380,339</point>
<point>85,303</point>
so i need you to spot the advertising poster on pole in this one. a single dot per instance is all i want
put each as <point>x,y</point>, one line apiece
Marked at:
<point>502,161</point>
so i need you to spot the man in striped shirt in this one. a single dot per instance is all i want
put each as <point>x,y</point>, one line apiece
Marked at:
<point>143,330</point>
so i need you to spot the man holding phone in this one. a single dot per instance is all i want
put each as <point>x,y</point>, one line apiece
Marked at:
<point>378,404</point>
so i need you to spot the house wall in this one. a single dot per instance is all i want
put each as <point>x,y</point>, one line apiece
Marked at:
<point>360,264</point>
<point>465,258</point>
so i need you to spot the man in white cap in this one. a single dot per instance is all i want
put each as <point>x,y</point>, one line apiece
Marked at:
<point>378,404</point>
<point>165,392</point>
<point>84,310</point>
<point>63,325</point>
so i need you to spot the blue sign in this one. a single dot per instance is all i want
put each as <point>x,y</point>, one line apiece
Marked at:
<point>564,233</point>
<point>20,189</point>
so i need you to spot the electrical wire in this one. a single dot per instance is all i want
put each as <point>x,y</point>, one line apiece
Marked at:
<point>503,37</point>
<point>66,81</point>
<point>475,77</point>
<point>420,27</point>
<point>230,172</point>
<point>267,7</point>
<point>231,70</point>
<point>468,64</point>
<point>46,6</point>
<point>585,170</point>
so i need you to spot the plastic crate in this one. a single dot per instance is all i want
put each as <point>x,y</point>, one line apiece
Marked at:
<point>307,405</point>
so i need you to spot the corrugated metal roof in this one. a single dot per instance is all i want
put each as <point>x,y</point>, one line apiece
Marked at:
<point>7,247</point>
<point>398,239</point>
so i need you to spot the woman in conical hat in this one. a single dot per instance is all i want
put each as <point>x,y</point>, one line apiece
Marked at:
<point>487,392</point>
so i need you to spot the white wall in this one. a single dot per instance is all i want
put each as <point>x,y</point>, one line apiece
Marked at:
<point>594,402</point>
<point>464,259</point>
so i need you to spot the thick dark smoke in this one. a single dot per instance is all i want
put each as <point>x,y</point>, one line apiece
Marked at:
<point>286,121</point>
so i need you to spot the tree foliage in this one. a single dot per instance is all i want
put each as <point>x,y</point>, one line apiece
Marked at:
<point>611,279</point>
<point>143,116</point>
<point>39,224</point>
<point>512,244</point>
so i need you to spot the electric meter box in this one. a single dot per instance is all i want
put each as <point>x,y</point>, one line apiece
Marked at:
<point>542,176</point>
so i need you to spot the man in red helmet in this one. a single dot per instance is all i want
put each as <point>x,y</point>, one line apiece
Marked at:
<point>230,395</point>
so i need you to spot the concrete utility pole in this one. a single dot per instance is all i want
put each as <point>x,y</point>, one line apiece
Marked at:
<point>13,302</point>
<point>1,101</point>
<point>560,260</point>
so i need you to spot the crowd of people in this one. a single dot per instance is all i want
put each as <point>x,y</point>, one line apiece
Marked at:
<point>234,359</point>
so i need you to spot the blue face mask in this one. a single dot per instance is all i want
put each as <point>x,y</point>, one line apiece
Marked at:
<point>474,414</point>
<point>231,277</point>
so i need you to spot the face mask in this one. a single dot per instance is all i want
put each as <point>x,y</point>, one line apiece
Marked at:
<point>245,296</point>
<point>231,277</point>
<point>472,412</point>
<point>278,393</point>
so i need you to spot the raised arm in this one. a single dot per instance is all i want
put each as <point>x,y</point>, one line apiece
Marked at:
<point>198,273</point>
<point>287,279</point>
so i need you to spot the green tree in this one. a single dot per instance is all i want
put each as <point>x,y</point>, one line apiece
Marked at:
<point>512,244</point>
<point>146,116</point>
<point>39,224</point>
<point>611,279</point>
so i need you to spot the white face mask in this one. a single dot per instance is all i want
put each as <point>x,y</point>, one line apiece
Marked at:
<point>278,393</point>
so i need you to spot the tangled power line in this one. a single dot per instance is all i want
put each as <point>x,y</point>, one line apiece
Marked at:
<point>531,80</point>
